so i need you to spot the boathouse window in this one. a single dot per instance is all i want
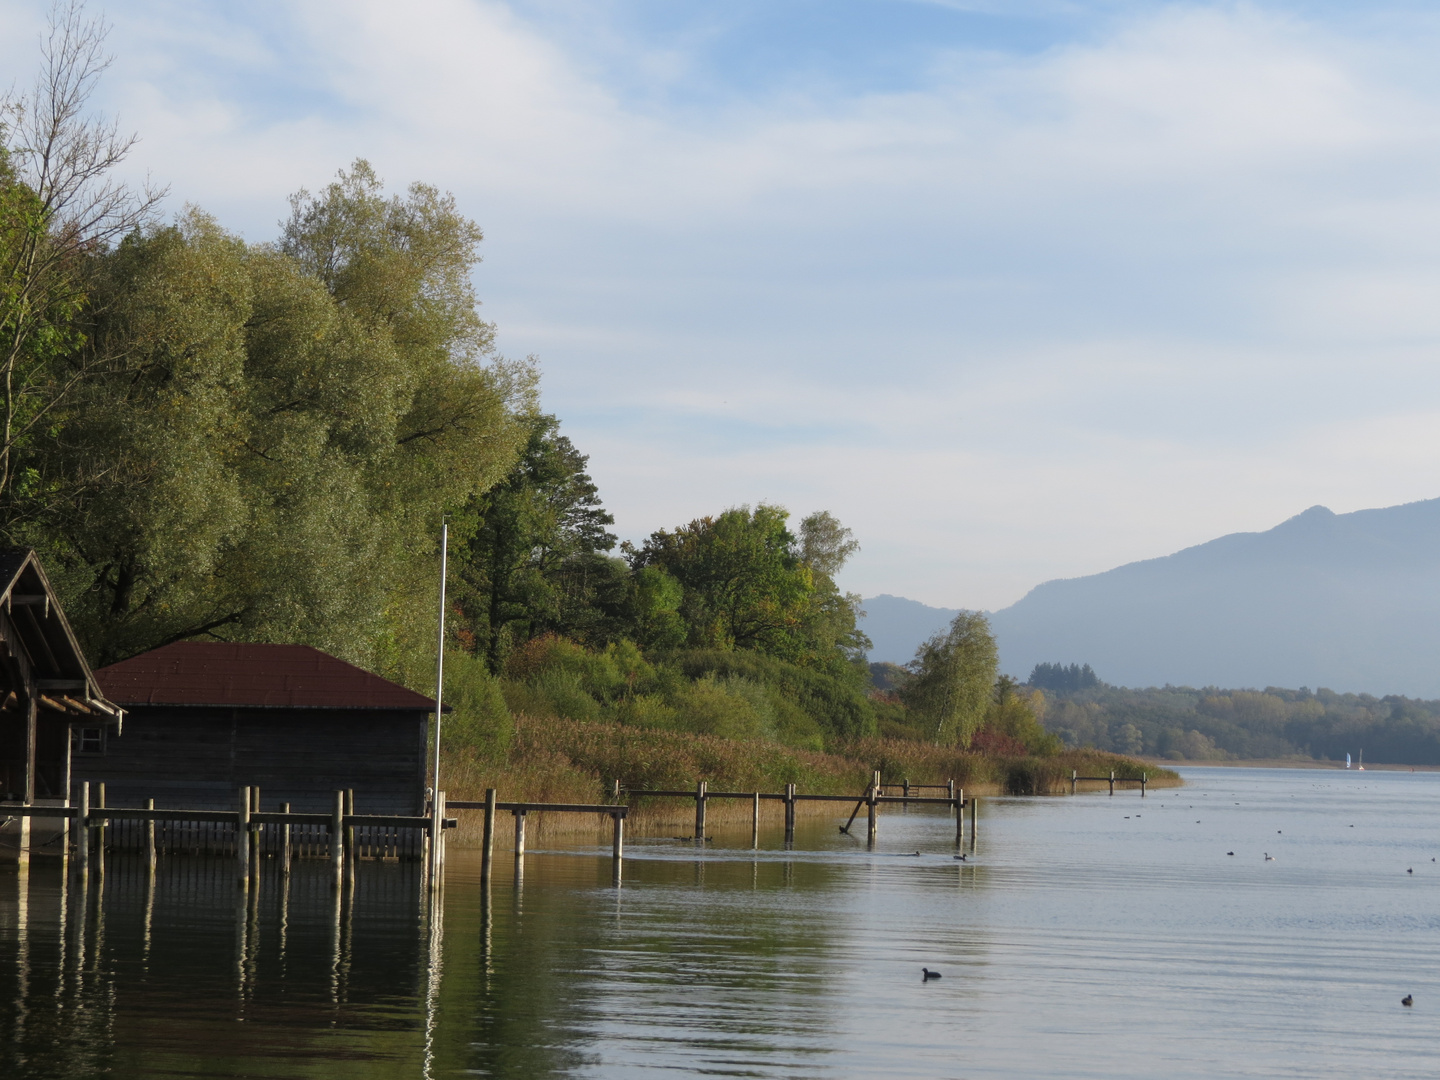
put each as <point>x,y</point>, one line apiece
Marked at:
<point>90,740</point>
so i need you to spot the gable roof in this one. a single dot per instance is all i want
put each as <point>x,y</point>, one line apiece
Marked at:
<point>245,675</point>
<point>43,636</point>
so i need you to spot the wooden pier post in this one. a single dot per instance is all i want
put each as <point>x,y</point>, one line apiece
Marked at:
<point>487,849</point>
<point>949,788</point>
<point>617,842</point>
<point>337,840</point>
<point>1112,782</point>
<point>1144,777</point>
<point>789,813</point>
<point>959,815</point>
<point>871,803</point>
<point>519,835</point>
<point>906,788</point>
<point>350,853</point>
<point>100,829</point>
<point>150,838</point>
<point>82,832</point>
<point>974,820</point>
<point>254,836</point>
<point>242,839</point>
<point>755,823</point>
<point>700,810</point>
<point>615,794</point>
<point>285,841</point>
<point>1073,776</point>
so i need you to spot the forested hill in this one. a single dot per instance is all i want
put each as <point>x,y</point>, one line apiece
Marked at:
<point>1345,601</point>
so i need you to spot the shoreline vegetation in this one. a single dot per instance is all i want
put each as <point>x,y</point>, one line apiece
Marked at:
<point>558,760</point>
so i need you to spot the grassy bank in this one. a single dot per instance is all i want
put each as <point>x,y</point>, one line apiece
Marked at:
<point>558,760</point>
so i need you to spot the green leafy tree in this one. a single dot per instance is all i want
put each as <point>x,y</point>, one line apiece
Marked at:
<point>533,562</point>
<point>268,437</point>
<point>744,584</point>
<point>59,204</point>
<point>952,677</point>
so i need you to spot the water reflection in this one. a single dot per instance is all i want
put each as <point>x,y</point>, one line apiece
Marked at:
<point>1078,929</point>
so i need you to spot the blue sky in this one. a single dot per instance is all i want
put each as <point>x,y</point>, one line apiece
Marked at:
<point>1017,290</point>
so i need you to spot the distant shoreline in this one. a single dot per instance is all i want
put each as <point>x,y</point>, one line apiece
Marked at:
<point>1288,763</point>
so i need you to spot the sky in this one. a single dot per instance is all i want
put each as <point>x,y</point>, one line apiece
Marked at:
<point>1017,290</point>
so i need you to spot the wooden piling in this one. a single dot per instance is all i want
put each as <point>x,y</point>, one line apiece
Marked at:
<point>872,803</point>
<point>974,820</point>
<point>487,850</point>
<point>242,839</point>
<point>700,810</point>
<point>350,852</point>
<point>617,843</point>
<point>254,836</point>
<point>519,835</point>
<point>150,837</point>
<point>959,815</point>
<point>907,787</point>
<point>789,813</point>
<point>285,841</point>
<point>82,831</point>
<point>1112,782</point>
<point>1144,777</point>
<point>1073,777</point>
<point>100,828</point>
<point>755,823</point>
<point>337,841</point>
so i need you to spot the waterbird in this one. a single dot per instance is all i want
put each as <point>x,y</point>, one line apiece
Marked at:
<point>1269,857</point>
<point>1410,871</point>
<point>1407,1000</point>
<point>929,975</point>
<point>961,858</point>
<point>1229,853</point>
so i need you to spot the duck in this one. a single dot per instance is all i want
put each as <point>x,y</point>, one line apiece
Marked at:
<point>928,974</point>
<point>1229,853</point>
<point>961,858</point>
<point>1269,857</point>
<point>1407,1000</point>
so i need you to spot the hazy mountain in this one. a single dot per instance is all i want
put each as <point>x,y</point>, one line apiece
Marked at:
<point>897,626</point>
<point>1347,601</point>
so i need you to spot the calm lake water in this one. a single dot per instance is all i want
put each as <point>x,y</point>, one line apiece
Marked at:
<point>1087,936</point>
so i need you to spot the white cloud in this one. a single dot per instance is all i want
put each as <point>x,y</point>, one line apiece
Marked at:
<point>1045,313</point>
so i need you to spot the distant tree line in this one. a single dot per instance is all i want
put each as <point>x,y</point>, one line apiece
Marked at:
<point>1212,724</point>
<point>1060,677</point>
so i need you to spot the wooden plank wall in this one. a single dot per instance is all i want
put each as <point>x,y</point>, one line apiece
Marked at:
<point>198,758</point>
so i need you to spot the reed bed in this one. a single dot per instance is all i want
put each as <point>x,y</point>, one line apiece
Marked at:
<point>557,760</point>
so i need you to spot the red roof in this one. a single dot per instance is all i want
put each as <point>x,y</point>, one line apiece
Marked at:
<point>228,673</point>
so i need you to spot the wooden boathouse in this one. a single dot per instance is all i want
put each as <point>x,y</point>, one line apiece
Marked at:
<point>205,719</point>
<point>51,705</point>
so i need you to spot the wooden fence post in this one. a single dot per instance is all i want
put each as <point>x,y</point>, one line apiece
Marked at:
<point>700,810</point>
<point>350,851</point>
<point>82,830</point>
<point>789,813</point>
<point>150,837</point>
<point>337,840</point>
<point>100,828</point>
<point>487,851</point>
<point>242,839</point>
<point>285,841</point>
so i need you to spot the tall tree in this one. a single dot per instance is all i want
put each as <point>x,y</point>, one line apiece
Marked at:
<point>270,436</point>
<point>59,204</point>
<point>533,561</point>
<point>952,676</point>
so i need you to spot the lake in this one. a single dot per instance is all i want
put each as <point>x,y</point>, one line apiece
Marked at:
<point>1087,936</point>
